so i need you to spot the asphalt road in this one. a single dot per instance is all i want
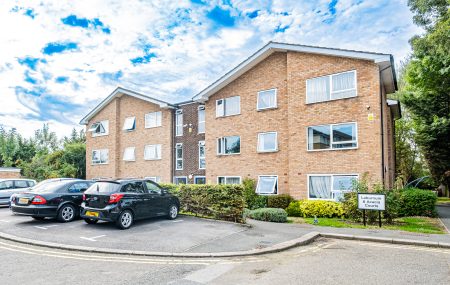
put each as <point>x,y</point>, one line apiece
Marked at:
<point>444,215</point>
<point>323,262</point>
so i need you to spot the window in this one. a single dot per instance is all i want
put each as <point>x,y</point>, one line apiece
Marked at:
<point>78,187</point>
<point>99,128</point>
<point>100,156</point>
<point>199,180</point>
<point>156,179</point>
<point>153,120</point>
<point>229,180</point>
<point>229,145</point>
<point>228,107</point>
<point>179,123</point>
<point>201,119</point>
<point>133,187</point>
<point>267,99</point>
<point>152,187</point>
<point>130,124</point>
<point>180,180</point>
<point>267,185</point>
<point>201,155</point>
<point>330,187</point>
<point>179,156</point>
<point>5,185</point>
<point>331,87</point>
<point>20,184</point>
<point>267,142</point>
<point>337,136</point>
<point>129,154</point>
<point>152,152</point>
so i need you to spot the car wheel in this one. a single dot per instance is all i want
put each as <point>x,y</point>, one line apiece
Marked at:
<point>38,218</point>
<point>90,221</point>
<point>173,212</point>
<point>67,213</point>
<point>125,220</point>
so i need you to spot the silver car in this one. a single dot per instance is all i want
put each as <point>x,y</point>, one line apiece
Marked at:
<point>11,186</point>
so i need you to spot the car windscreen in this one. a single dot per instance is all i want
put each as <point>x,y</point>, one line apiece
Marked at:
<point>50,187</point>
<point>103,187</point>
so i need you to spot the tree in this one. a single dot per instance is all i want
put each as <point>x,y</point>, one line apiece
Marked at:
<point>427,76</point>
<point>46,140</point>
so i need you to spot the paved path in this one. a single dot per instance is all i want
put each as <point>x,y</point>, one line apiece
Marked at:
<point>444,215</point>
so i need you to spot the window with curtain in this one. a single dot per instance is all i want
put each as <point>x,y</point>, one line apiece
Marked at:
<point>267,185</point>
<point>331,87</point>
<point>320,187</point>
<point>153,120</point>
<point>201,120</point>
<point>229,180</point>
<point>267,99</point>
<point>267,142</point>
<point>129,154</point>
<point>336,136</point>
<point>228,106</point>
<point>179,156</point>
<point>100,156</point>
<point>152,152</point>
<point>330,187</point>
<point>179,123</point>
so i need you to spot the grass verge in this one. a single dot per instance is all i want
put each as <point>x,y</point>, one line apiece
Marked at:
<point>423,225</point>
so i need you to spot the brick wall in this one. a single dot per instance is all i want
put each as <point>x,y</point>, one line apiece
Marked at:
<point>9,174</point>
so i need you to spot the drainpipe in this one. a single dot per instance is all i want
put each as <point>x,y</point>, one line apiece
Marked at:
<point>382,125</point>
<point>172,144</point>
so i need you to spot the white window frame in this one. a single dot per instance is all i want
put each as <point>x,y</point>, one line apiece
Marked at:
<point>269,150</point>
<point>158,119</point>
<point>200,145</point>
<point>175,179</point>
<point>99,150</point>
<point>156,179</point>
<point>128,121</point>
<point>104,124</point>
<point>223,109</point>
<point>199,176</point>
<point>178,158</point>
<point>330,78</point>
<point>267,108</point>
<point>221,151</point>
<point>158,151</point>
<point>134,153</point>
<point>226,177</point>
<point>276,186</point>
<point>179,126</point>
<point>331,137</point>
<point>201,108</point>
<point>331,184</point>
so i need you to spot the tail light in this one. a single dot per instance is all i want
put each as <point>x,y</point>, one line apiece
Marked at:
<point>38,200</point>
<point>114,198</point>
<point>84,197</point>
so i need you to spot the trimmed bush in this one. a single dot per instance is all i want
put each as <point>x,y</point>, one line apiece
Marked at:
<point>293,210</point>
<point>417,202</point>
<point>320,208</point>
<point>253,200</point>
<point>268,214</point>
<point>281,201</point>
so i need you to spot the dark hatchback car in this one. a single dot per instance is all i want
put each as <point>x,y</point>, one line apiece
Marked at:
<point>58,199</point>
<point>124,201</point>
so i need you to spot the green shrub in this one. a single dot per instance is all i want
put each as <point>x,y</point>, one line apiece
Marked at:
<point>172,188</point>
<point>417,202</point>
<point>321,208</point>
<point>294,210</point>
<point>253,200</point>
<point>279,201</point>
<point>268,214</point>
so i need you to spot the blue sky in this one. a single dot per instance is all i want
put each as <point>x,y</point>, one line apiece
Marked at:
<point>58,59</point>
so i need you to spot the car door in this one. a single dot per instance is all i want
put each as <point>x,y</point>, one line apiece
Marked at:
<point>6,188</point>
<point>156,203</point>
<point>135,192</point>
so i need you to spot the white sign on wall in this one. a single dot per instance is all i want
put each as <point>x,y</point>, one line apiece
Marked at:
<point>368,201</point>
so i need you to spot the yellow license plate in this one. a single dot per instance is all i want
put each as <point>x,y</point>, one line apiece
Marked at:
<point>91,214</point>
<point>23,200</point>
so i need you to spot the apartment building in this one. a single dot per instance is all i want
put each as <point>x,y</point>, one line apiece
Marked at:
<point>301,120</point>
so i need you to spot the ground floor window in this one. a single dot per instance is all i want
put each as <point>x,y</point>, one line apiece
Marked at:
<point>330,187</point>
<point>200,180</point>
<point>180,180</point>
<point>229,180</point>
<point>267,184</point>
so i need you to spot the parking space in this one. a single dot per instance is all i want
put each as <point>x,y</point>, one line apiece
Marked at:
<point>159,234</point>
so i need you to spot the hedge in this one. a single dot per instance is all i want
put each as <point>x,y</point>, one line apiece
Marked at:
<point>268,214</point>
<point>417,202</point>
<point>315,208</point>
<point>279,201</point>
<point>222,202</point>
<point>253,200</point>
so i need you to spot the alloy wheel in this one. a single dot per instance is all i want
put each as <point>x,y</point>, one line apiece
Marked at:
<point>67,213</point>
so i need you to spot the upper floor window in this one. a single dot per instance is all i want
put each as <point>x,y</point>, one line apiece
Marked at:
<point>228,106</point>
<point>201,155</point>
<point>201,119</point>
<point>267,142</point>
<point>99,128</point>
<point>229,180</point>
<point>100,156</point>
<point>267,99</point>
<point>331,87</point>
<point>337,136</point>
<point>153,120</point>
<point>179,156</point>
<point>130,124</point>
<point>179,123</point>
<point>152,152</point>
<point>229,145</point>
<point>129,154</point>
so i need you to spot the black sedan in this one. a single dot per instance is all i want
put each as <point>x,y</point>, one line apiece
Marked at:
<point>59,199</point>
<point>124,201</point>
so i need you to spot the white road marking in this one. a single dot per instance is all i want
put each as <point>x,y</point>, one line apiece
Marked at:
<point>177,221</point>
<point>92,238</point>
<point>46,227</point>
<point>4,221</point>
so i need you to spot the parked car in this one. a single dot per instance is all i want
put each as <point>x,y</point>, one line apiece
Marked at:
<point>8,187</point>
<point>58,199</point>
<point>124,201</point>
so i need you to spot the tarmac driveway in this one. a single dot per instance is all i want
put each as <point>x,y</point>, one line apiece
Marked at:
<point>444,214</point>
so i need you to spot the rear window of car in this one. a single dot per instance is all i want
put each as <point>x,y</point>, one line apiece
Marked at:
<point>50,186</point>
<point>103,187</point>
<point>4,185</point>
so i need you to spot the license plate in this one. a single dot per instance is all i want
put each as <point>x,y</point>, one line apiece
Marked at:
<point>23,200</point>
<point>91,214</point>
